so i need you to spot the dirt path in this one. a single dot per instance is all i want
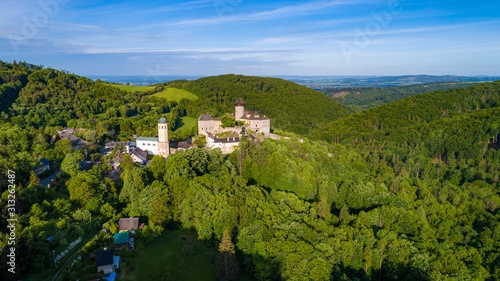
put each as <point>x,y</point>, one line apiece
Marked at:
<point>71,258</point>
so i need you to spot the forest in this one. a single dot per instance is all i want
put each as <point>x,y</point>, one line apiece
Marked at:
<point>405,191</point>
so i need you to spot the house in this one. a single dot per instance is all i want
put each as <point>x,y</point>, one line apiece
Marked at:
<point>85,165</point>
<point>139,155</point>
<point>109,146</point>
<point>121,239</point>
<point>129,224</point>
<point>183,145</point>
<point>76,142</point>
<point>44,165</point>
<point>105,261</point>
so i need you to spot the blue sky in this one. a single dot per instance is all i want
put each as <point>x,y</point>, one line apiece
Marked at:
<point>211,37</point>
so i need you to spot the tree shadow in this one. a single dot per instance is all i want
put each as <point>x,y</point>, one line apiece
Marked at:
<point>273,269</point>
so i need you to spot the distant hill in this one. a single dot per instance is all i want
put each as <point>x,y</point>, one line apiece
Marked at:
<point>326,82</point>
<point>313,82</point>
<point>455,121</point>
<point>360,98</point>
<point>290,106</point>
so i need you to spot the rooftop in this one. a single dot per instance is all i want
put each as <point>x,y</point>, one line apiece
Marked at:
<point>84,165</point>
<point>104,257</point>
<point>205,117</point>
<point>224,140</point>
<point>139,152</point>
<point>128,223</point>
<point>239,102</point>
<point>44,162</point>
<point>180,145</point>
<point>253,117</point>
<point>147,139</point>
<point>121,238</point>
<point>114,143</point>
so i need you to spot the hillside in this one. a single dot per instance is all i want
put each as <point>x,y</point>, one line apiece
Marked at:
<point>291,107</point>
<point>55,98</point>
<point>361,98</point>
<point>441,122</point>
<point>12,78</point>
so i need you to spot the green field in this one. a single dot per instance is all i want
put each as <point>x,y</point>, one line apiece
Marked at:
<point>131,88</point>
<point>187,124</point>
<point>165,257</point>
<point>176,94</point>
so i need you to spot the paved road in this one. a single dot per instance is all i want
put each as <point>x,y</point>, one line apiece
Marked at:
<point>45,182</point>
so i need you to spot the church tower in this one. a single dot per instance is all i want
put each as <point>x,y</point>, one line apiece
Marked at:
<point>239,109</point>
<point>163,145</point>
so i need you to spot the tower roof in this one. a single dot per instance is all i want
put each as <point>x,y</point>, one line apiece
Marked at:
<point>162,121</point>
<point>239,102</point>
<point>205,117</point>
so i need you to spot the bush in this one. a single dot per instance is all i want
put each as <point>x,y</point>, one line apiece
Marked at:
<point>90,268</point>
<point>187,250</point>
<point>73,276</point>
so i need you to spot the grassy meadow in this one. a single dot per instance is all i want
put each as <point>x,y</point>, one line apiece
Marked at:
<point>175,94</point>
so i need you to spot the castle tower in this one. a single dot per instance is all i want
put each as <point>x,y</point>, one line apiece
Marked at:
<point>239,109</point>
<point>163,145</point>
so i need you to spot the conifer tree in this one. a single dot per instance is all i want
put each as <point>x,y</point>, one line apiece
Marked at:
<point>227,267</point>
<point>34,180</point>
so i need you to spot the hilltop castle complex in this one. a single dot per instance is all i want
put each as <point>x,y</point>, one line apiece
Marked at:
<point>207,125</point>
<point>253,124</point>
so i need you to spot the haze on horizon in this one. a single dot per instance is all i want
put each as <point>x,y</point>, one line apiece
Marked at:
<point>210,37</point>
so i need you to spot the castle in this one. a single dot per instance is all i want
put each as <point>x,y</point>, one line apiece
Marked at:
<point>156,145</point>
<point>207,125</point>
<point>253,123</point>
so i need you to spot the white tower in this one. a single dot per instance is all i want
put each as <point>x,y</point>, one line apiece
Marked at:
<point>163,145</point>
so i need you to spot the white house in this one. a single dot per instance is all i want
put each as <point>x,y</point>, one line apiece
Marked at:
<point>44,165</point>
<point>148,144</point>
<point>139,155</point>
